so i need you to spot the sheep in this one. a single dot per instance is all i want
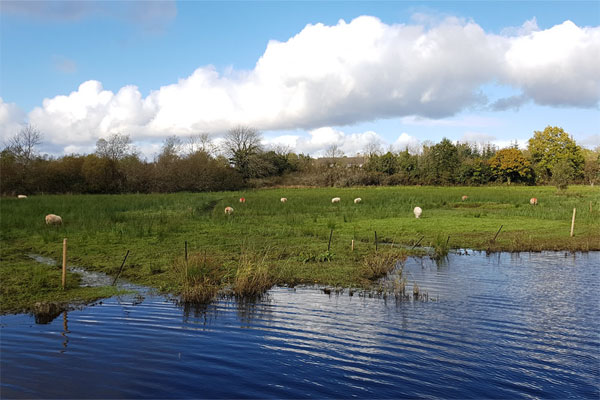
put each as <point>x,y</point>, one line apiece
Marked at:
<point>52,219</point>
<point>242,199</point>
<point>357,200</point>
<point>228,210</point>
<point>464,198</point>
<point>21,196</point>
<point>533,201</point>
<point>335,200</point>
<point>283,199</point>
<point>418,211</point>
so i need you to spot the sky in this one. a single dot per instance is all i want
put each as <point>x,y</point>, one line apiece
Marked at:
<point>306,74</point>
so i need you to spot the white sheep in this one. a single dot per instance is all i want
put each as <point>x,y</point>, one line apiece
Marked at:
<point>283,199</point>
<point>335,200</point>
<point>357,200</point>
<point>21,196</point>
<point>52,219</point>
<point>228,210</point>
<point>418,211</point>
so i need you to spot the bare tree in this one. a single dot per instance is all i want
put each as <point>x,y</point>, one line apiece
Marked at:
<point>117,147</point>
<point>200,142</point>
<point>334,152</point>
<point>24,143</point>
<point>242,145</point>
<point>373,148</point>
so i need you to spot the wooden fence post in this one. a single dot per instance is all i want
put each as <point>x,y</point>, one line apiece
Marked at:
<point>573,221</point>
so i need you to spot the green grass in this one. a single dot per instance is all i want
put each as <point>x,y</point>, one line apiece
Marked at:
<point>268,242</point>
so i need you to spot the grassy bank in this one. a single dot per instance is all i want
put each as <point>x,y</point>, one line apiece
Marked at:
<point>267,242</point>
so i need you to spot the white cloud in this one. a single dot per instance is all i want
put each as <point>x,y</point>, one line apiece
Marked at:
<point>11,119</point>
<point>405,141</point>
<point>318,140</point>
<point>557,66</point>
<point>342,74</point>
<point>591,141</point>
<point>477,138</point>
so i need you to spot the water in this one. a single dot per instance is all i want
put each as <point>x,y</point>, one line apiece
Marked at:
<point>504,326</point>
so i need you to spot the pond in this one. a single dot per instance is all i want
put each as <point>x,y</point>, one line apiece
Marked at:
<point>499,326</point>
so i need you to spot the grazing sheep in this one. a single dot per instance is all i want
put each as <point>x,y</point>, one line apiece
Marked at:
<point>335,200</point>
<point>533,201</point>
<point>357,200</point>
<point>228,210</point>
<point>21,196</point>
<point>418,211</point>
<point>283,199</point>
<point>242,199</point>
<point>52,219</point>
<point>464,198</point>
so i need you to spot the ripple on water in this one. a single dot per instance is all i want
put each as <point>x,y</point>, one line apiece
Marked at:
<point>505,326</point>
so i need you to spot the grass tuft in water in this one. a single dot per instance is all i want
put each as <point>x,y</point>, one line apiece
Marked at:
<point>378,265</point>
<point>200,278</point>
<point>253,277</point>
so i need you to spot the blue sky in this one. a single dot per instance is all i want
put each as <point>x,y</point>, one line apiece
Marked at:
<point>396,73</point>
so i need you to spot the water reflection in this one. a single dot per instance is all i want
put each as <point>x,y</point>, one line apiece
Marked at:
<point>65,331</point>
<point>504,326</point>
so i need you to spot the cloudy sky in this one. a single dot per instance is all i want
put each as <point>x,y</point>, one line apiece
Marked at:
<point>307,74</point>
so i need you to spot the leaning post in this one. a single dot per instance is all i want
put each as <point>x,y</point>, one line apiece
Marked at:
<point>573,221</point>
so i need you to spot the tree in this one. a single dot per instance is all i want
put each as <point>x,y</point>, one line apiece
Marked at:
<point>441,161</point>
<point>591,171</point>
<point>23,144</point>
<point>552,145</point>
<point>509,165</point>
<point>243,146</point>
<point>200,142</point>
<point>562,174</point>
<point>116,148</point>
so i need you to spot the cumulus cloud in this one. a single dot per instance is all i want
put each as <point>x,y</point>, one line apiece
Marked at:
<point>557,66</point>
<point>509,103</point>
<point>318,140</point>
<point>11,119</point>
<point>407,142</point>
<point>339,75</point>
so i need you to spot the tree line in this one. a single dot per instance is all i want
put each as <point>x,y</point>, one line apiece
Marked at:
<point>242,161</point>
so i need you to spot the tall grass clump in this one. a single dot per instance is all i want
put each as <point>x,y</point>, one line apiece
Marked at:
<point>253,277</point>
<point>200,278</point>
<point>441,248</point>
<point>378,265</point>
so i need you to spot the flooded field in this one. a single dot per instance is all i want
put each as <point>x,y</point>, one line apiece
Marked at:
<point>499,326</point>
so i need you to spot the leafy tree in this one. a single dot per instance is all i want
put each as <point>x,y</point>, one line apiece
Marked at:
<point>101,175</point>
<point>562,174</point>
<point>509,165</point>
<point>591,170</point>
<point>552,145</point>
<point>439,162</point>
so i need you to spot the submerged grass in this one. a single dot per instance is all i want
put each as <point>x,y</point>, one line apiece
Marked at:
<point>265,241</point>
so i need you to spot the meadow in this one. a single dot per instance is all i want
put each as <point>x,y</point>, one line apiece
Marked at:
<point>306,240</point>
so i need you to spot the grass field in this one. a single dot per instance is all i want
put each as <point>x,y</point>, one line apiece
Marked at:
<point>267,242</point>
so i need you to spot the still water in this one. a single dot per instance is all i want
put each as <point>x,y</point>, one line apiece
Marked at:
<point>501,326</point>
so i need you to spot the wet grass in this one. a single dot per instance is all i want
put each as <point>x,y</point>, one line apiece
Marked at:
<point>267,242</point>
